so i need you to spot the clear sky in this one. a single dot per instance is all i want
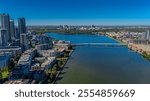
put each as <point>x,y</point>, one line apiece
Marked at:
<point>79,12</point>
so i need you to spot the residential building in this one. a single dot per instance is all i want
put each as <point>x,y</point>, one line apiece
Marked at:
<point>17,34</point>
<point>5,24</point>
<point>25,61</point>
<point>43,46</point>
<point>49,53</point>
<point>24,42</point>
<point>42,39</point>
<point>22,26</point>
<point>10,51</point>
<point>3,37</point>
<point>12,29</point>
<point>148,35</point>
<point>48,63</point>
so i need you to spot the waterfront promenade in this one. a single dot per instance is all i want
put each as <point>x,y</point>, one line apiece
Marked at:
<point>62,67</point>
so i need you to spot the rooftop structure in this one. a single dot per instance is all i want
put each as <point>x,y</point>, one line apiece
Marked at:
<point>49,53</point>
<point>48,63</point>
<point>26,59</point>
<point>43,46</point>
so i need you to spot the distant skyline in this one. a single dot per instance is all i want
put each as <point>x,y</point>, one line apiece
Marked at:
<point>79,12</point>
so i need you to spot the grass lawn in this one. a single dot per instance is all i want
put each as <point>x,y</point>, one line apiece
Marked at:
<point>5,74</point>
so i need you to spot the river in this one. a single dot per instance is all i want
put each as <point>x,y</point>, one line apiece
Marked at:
<point>102,64</point>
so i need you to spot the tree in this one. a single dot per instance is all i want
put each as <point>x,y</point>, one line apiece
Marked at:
<point>1,75</point>
<point>54,68</point>
<point>114,37</point>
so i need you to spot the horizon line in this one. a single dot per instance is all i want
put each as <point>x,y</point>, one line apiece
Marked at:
<point>86,25</point>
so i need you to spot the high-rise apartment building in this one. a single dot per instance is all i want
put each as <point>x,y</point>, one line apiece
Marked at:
<point>24,42</point>
<point>147,35</point>
<point>21,25</point>
<point>5,24</point>
<point>12,29</point>
<point>3,37</point>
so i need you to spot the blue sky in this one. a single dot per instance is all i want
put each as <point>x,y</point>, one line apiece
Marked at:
<point>79,12</point>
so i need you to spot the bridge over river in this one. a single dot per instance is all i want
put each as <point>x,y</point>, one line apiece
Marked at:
<point>99,44</point>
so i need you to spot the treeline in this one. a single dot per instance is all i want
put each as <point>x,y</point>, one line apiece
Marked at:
<point>41,31</point>
<point>146,56</point>
<point>75,31</point>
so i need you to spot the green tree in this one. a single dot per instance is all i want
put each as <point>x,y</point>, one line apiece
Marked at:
<point>114,37</point>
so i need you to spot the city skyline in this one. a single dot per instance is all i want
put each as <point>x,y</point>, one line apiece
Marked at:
<point>79,12</point>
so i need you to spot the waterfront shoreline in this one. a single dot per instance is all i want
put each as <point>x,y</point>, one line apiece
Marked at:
<point>117,40</point>
<point>62,67</point>
<point>143,54</point>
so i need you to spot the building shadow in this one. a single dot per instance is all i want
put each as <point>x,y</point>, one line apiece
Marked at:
<point>66,67</point>
<point>59,78</point>
<point>62,73</point>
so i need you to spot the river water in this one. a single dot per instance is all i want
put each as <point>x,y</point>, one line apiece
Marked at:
<point>102,64</point>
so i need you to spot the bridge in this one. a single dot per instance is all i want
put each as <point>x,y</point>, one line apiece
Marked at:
<point>99,44</point>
